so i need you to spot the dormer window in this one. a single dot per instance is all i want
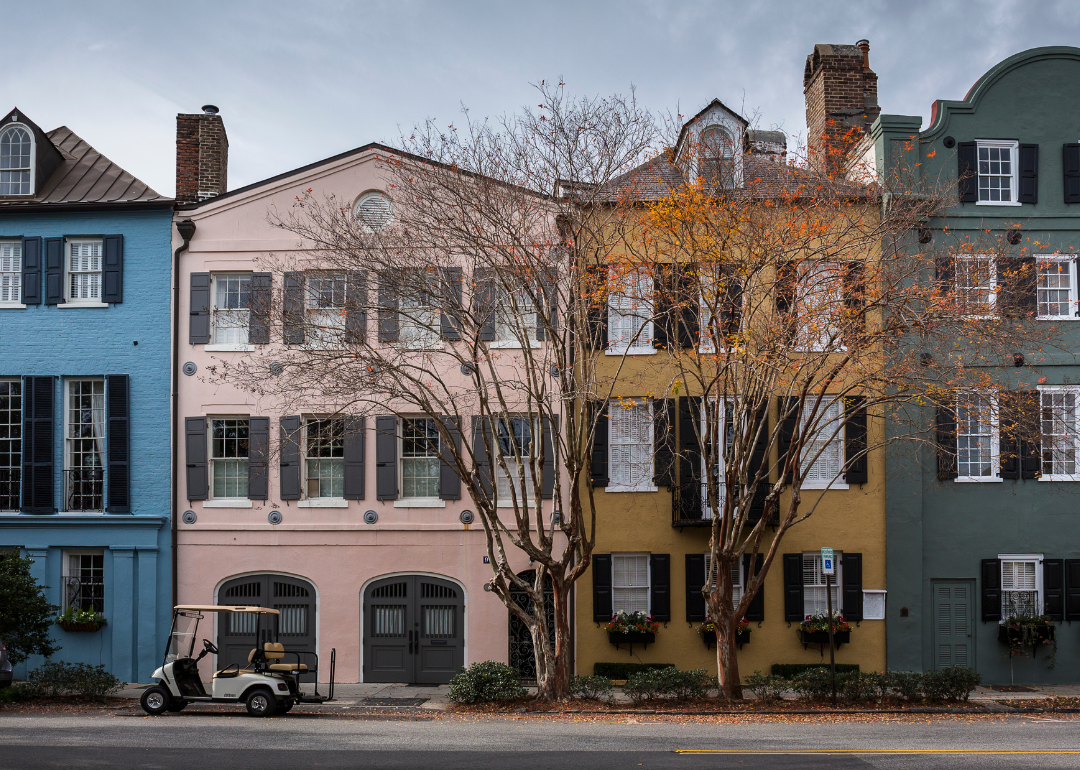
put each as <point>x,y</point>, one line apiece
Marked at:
<point>717,155</point>
<point>16,161</point>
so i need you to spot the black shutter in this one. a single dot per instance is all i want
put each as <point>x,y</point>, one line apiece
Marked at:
<point>292,311</point>
<point>1071,164</point>
<point>483,298</point>
<point>450,298</point>
<point>1009,435</point>
<point>1017,286</point>
<point>731,309</point>
<point>690,444</point>
<point>596,296</point>
<point>945,275</point>
<point>967,160</point>
<point>787,410</point>
<point>786,284</point>
<point>755,613</point>
<point>601,587</point>
<point>1072,589</point>
<point>388,308</point>
<point>258,458</point>
<point>118,442</point>
<point>660,587</point>
<point>199,318</point>
<point>1054,588</point>
<point>198,478</point>
<point>356,301</point>
<point>665,327</point>
<point>1029,173</point>
<point>945,436</point>
<point>355,438</point>
<point>261,295</point>
<point>547,488</point>
<point>852,598</point>
<point>449,481</point>
<point>757,460</point>
<point>793,588</point>
<point>54,271</point>
<point>664,442</point>
<point>598,412</point>
<point>695,581</point>
<point>289,460</point>
<point>547,309</point>
<point>31,271</point>
<point>481,438</point>
<point>37,445</point>
<point>854,289</point>
<point>112,271</point>
<point>386,442</point>
<point>857,470</point>
<point>1030,435</point>
<point>688,313</point>
<point>991,589</point>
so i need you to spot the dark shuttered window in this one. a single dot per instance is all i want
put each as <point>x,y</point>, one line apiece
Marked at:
<point>198,478</point>
<point>292,309</point>
<point>1054,588</point>
<point>199,314</point>
<point>386,455</point>
<point>118,437</point>
<point>112,269</point>
<point>755,613</point>
<point>54,271</point>
<point>449,481</point>
<point>851,574</point>
<point>991,589</point>
<point>259,319</point>
<point>37,442</point>
<point>695,581</point>
<point>31,271</point>
<point>289,459</point>
<point>601,576</point>
<point>793,587</point>
<point>660,586</point>
<point>355,437</point>
<point>1071,168</point>
<point>258,458</point>
<point>599,468</point>
<point>857,468</point>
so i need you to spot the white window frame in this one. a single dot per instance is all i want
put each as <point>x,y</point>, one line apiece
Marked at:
<point>417,501</point>
<point>325,324</point>
<point>838,595</point>
<point>214,500</point>
<point>510,325</point>
<point>826,290</point>
<point>1035,559</point>
<point>737,587</point>
<point>616,598</point>
<point>69,299</point>
<point>219,314</point>
<point>994,438</point>
<point>102,446</point>
<point>834,419</point>
<point>1073,390</point>
<point>636,406</point>
<point>502,479</point>
<point>320,501</point>
<point>66,572</point>
<point>708,511</point>
<point>619,306</point>
<point>1014,154</point>
<point>992,286</point>
<point>11,279</point>
<point>16,417</point>
<point>33,156</point>
<point>1069,260</point>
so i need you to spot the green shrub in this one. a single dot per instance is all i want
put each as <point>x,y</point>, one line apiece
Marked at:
<point>13,694</point>
<point>815,683</point>
<point>646,685</point>
<point>905,685</point>
<point>485,682</point>
<point>591,687</point>
<point>792,670</point>
<point>766,688</point>
<point>82,680</point>
<point>669,682</point>
<point>951,684</point>
<point>625,670</point>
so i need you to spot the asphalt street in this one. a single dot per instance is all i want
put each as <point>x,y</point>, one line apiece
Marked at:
<point>205,741</point>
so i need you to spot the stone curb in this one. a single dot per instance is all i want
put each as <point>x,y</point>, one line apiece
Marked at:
<point>1008,710</point>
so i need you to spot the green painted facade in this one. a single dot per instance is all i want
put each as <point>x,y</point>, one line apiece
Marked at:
<point>939,532</point>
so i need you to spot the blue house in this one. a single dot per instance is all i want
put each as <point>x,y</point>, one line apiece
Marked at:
<point>85,272</point>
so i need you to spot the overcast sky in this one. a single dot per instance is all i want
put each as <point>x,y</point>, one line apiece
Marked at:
<point>300,81</point>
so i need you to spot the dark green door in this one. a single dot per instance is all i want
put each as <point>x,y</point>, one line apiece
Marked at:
<point>294,627</point>
<point>954,619</point>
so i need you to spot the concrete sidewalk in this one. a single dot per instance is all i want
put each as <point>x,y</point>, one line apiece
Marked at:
<point>353,695</point>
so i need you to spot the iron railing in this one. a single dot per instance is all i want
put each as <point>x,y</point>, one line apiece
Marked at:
<point>86,593</point>
<point>1015,603</point>
<point>690,508</point>
<point>84,489</point>
<point>9,489</point>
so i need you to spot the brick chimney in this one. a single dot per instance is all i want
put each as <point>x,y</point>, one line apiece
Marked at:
<point>841,100</point>
<point>202,156</point>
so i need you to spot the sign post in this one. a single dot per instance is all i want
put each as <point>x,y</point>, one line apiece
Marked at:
<point>828,569</point>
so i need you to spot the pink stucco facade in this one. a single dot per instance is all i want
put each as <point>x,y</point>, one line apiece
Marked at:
<point>330,547</point>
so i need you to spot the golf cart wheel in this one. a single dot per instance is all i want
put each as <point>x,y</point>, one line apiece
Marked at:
<point>176,705</point>
<point>155,700</point>
<point>261,703</point>
<point>285,707</point>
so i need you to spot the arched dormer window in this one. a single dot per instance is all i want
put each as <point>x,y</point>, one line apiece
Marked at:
<point>16,161</point>
<point>717,154</point>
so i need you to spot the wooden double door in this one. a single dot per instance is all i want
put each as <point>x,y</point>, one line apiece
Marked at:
<point>413,630</point>
<point>239,633</point>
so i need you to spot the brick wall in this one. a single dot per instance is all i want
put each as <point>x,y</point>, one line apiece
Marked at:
<point>841,98</point>
<point>202,157</point>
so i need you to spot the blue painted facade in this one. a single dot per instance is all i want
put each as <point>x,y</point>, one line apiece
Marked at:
<point>130,338</point>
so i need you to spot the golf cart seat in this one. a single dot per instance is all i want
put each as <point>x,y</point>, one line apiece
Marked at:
<point>231,671</point>
<point>274,651</point>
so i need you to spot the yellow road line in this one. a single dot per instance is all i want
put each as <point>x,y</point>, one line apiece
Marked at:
<point>875,752</point>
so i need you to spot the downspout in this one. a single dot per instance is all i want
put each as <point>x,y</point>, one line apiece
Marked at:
<point>186,228</point>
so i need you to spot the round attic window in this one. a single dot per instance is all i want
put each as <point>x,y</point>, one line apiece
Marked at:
<point>373,211</point>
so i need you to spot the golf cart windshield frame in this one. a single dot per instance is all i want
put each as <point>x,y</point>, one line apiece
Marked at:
<point>195,612</point>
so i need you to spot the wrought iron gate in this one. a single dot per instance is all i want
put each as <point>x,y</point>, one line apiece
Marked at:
<point>522,651</point>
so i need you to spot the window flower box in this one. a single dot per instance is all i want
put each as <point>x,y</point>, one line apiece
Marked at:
<point>1022,631</point>
<point>632,628</point>
<point>81,620</point>
<point>822,637</point>
<point>815,629</point>
<point>630,638</point>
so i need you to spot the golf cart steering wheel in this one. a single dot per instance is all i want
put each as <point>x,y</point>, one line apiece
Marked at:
<point>208,646</point>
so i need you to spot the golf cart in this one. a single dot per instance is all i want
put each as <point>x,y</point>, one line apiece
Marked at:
<point>270,684</point>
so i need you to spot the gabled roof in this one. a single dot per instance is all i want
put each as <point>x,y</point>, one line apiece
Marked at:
<point>706,108</point>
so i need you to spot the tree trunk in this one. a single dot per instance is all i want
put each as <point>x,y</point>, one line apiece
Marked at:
<point>727,661</point>
<point>552,666</point>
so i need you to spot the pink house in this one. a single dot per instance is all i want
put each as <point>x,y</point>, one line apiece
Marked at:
<point>366,546</point>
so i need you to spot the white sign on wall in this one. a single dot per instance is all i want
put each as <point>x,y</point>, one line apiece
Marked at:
<point>828,565</point>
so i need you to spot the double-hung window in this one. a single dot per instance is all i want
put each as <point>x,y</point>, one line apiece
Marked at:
<point>229,457</point>
<point>630,437</point>
<point>726,429</point>
<point>420,461</point>
<point>977,437</point>
<point>814,597</point>
<point>976,284</point>
<point>84,445</point>
<point>232,308</point>
<point>326,298</point>
<point>997,172</point>
<point>819,302</point>
<point>1056,289</point>
<point>418,313</point>
<point>515,440</point>
<point>736,578</point>
<point>1060,432</point>
<point>85,257</point>
<point>827,446</point>
<point>630,309</point>
<point>10,272</point>
<point>324,458</point>
<point>1021,584</point>
<point>630,582</point>
<point>10,443</point>
<point>84,580</point>
<point>515,317</point>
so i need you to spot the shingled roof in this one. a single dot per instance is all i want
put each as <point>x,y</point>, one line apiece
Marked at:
<point>85,176</point>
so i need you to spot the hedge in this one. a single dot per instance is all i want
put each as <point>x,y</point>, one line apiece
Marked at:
<point>626,670</point>
<point>792,670</point>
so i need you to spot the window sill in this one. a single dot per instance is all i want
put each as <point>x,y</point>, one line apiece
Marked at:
<point>611,488</point>
<point>435,346</point>
<point>323,502</point>
<point>1059,478</point>
<point>512,345</point>
<point>224,347</point>
<point>977,480</point>
<point>12,306</point>
<point>227,503</point>
<point>1037,318</point>
<point>830,487</point>
<point>632,352</point>
<point>510,504</point>
<point>420,502</point>
<point>998,203</point>
<point>83,304</point>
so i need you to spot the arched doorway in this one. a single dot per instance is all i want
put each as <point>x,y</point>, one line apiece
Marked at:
<point>413,630</point>
<point>522,651</point>
<point>293,597</point>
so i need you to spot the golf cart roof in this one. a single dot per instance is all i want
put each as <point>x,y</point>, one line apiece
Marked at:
<point>224,608</point>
